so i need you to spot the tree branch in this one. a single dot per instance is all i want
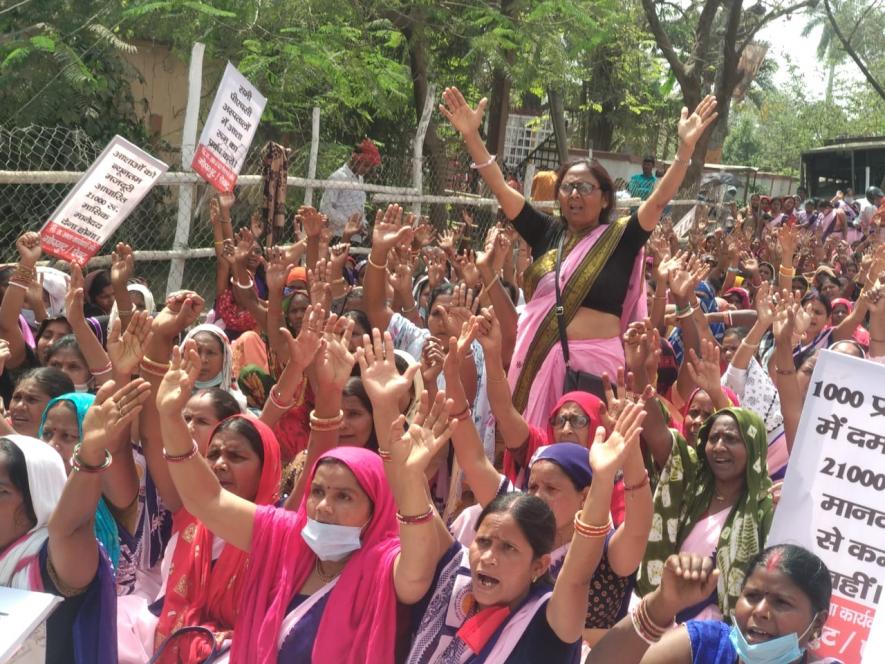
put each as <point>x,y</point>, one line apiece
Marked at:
<point>772,16</point>
<point>663,41</point>
<point>703,33</point>
<point>846,45</point>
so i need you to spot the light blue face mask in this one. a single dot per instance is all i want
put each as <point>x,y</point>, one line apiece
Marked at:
<point>206,384</point>
<point>782,650</point>
<point>331,542</point>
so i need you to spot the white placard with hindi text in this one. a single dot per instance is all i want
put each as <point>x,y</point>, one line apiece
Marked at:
<point>106,194</point>
<point>833,499</point>
<point>229,130</point>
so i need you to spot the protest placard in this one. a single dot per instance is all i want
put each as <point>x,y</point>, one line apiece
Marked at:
<point>97,205</point>
<point>832,501</point>
<point>875,647</point>
<point>22,618</point>
<point>228,131</point>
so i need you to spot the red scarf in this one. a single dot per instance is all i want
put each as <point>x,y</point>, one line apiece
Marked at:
<point>198,592</point>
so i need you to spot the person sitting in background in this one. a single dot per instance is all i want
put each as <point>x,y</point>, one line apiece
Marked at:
<point>642,184</point>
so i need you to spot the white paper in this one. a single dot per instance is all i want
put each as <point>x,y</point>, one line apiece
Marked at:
<point>21,613</point>
<point>833,500</point>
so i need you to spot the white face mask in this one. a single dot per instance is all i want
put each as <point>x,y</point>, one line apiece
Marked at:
<point>81,387</point>
<point>331,542</point>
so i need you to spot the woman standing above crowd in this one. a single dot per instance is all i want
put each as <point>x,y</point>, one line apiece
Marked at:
<point>599,259</point>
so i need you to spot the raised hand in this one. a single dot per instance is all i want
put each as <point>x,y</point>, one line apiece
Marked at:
<point>28,246</point>
<point>318,284</point>
<point>488,331</point>
<point>432,357</point>
<point>125,351</point>
<point>466,265</point>
<point>447,242</point>
<point>181,311</point>
<point>692,127</point>
<point>334,362</point>
<point>785,320</point>
<point>74,294</point>
<point>615,403</point>
<point>304,348</point>
<point>113,411</point>
<point>456,110</point>
<point>414,449</point>
<point>178,383</point>
<point>277,270</point>
<point>337,258</point>
<point>787,237</point>
<point>687,579</point>
<point>436,268</point>
<point>424,232</point>
<point>389,230</point>
<point>764,305</point>
<point>459,311</point>
<point>5,354</point>
<point>122,264</point>
<point>311,221</point>
<point>607,455</point>
<point>704,370</point>
<point>383,382</point>
<point>353,226</point>
<point>245,242</point>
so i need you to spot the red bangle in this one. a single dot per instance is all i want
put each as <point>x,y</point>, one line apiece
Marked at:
<point>463,415</point>
<point>275,400</point>
<point>588,530</point>
<point>385,455</point>
<point>178,458</point>
<point>415,520</point>
<point>643,482</point>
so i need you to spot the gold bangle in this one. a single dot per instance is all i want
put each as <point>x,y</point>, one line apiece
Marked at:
<point>374,264</point>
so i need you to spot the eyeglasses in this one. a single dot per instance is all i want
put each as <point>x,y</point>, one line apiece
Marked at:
<point>577,421</point>
<point>584,188</point>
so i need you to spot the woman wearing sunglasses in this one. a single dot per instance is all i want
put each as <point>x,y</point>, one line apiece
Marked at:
<point>601,260</point>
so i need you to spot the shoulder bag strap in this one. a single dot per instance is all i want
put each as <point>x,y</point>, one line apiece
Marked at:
<point>560,310</point>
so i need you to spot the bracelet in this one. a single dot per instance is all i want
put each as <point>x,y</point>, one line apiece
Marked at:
<point>733,270</point>
<point>645,627</point>
<point>728,320</point>
<point>275,399</point>
<point>384,454</point>
<point>104,370</point>
<point>218,243</point>
<point>146,369</point>
<point>463,415</point>
<point>178,458</point>
<point>78,465</point>
<point>786,372</point>
<point>245,286</point>
<point>587,530</point>
<point>323,425</point>
<point>687,162</point>
<point>686,314</point>
<point>14,282</point>
<point>156,365</point>
<point>788,272</point>
<point>409,310</point>
<point>415,520</point>
<point>484,164</point>
<point>374,264</point>
<point>128,314</point>
<point>682,310</point>
<point>749,345</point>
<point>642,483</point>
<point>637,626</point>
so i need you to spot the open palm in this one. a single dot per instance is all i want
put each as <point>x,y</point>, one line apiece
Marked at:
<point>692,127</point>
<point>458,112</point>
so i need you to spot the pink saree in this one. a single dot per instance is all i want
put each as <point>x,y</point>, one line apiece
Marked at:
<point>538,354</point>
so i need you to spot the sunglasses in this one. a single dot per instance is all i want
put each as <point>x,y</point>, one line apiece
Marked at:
<point>584,188</point>
<point>577,421</point>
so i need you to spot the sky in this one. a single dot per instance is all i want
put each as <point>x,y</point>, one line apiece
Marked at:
<point>786,43</point>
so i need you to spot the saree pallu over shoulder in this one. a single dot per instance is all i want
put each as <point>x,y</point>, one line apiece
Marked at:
<point>582,262</point>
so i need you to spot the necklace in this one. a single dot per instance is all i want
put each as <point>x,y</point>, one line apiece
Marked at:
<point>325,578</point>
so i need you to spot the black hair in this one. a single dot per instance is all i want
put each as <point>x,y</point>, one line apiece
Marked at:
<point>243,427</point>
<point>442,289</point>
<point>223,403</point>
<point>648,158</point>
<point>67,342</point>
<point>739,332</point>
<point>805,570</point>
<point>46,322</point>
<point>354,388</point>
<point>605,184</point>
<point>533,516</point>
<point>100,281</point>
<point>817,296</point>
<point>861,351</point>
<point>51,381</point>
<point>360,318</point>
<point>17,469</point>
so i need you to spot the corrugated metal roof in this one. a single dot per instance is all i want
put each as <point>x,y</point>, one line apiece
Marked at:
<point>848,147</point>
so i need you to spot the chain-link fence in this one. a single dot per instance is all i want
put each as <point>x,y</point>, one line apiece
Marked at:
<point>38,166</point>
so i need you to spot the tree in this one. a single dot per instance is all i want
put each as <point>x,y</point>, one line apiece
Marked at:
<point>703,44</point>
<point>863,40</point>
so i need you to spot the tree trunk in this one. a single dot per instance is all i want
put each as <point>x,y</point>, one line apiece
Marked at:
<point>557,117</point>
<point>499,111</point>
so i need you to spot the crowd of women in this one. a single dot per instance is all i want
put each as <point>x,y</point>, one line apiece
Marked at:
<point>566,445</point>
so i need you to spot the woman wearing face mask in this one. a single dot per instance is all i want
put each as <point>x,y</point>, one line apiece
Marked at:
<point>716,495</point>
<point>781,611</point>
<point>330,573</point>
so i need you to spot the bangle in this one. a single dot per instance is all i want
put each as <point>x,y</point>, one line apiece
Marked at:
<point>788,272</point>
<point>685,313</point>
<point>484,164</point>
<point>374,264</point>
<point>415,520</point>
<point>218,243</point>
<point>157,365</point>
<point>276,401</point>
<point>14,282</point>
<point>645,627</point>
<point>245,286</point>
<point>728,320</point>
<point>178,458</point>
<point>78,465</point>
<point>634,487</point>
<point>408,310</point>
<point>321,424</point>
<point>786,372</point>
<point>587,530</point>
<point>677,160</point>
<point>128,314</point>
<point>104,370</point>
<point>463,415</point>
<point>384,454</point>
<point>733,270</point>
<point>749,345</point>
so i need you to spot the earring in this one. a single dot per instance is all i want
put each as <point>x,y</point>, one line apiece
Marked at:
<point>534,578</point>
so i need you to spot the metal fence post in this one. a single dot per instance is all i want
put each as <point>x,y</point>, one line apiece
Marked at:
<point>418,154</point>
<point>188,145</point>
<point>314,152</point>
